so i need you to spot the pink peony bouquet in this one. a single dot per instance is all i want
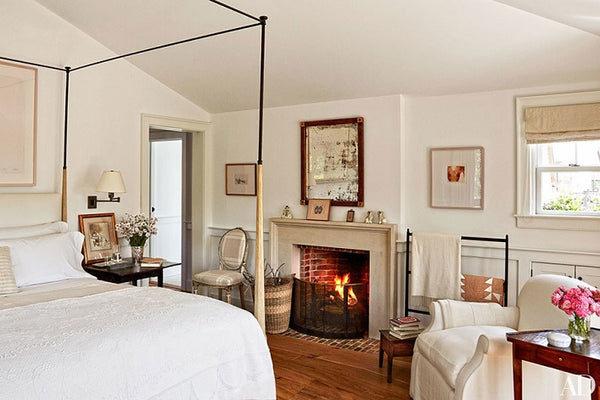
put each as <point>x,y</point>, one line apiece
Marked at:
<point>579,301</point>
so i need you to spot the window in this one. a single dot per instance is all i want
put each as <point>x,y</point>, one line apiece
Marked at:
<point>567,178</point>
<point>558,161</point>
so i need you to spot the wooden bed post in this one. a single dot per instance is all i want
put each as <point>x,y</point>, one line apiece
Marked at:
<point>63,211</point>
<point>259,266</point>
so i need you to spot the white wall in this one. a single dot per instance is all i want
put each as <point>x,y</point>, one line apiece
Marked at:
<point>106,103</point>
<point>235,141</point>
<point>478,119</point>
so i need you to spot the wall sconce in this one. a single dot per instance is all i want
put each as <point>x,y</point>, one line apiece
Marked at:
<point>110,182</point>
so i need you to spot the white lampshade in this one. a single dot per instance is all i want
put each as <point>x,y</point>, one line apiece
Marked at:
<point>111,182</point>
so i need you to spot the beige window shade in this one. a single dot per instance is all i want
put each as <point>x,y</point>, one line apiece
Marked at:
<point>562,123</point>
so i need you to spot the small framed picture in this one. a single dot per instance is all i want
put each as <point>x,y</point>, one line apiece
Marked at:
<point>318,209</point>
<point>100,236</point>
<point>350,216</point>
<point>240,179</point>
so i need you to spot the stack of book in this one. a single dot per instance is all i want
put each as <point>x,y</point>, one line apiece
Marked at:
<point>405,327</point>
<point>151,262</point>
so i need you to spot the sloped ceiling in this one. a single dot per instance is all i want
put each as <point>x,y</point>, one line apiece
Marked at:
<point>330,50</point>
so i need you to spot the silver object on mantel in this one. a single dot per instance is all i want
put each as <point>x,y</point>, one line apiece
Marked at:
<point>381,218</point>
<point>369,217</point>
<point>287,213</point>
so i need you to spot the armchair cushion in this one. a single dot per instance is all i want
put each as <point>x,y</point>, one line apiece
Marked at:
<point>219,277</point>
<point>451,350</point>
<point>460,313</point>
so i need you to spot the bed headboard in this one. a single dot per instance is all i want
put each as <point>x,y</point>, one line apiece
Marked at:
<point>18,209</point>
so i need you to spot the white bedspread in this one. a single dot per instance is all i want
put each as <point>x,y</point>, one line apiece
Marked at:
<point>133,343</point>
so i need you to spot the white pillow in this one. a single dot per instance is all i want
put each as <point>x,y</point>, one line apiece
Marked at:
<point>7,278</point>
<point>33,230</point>
<point>47,258</point>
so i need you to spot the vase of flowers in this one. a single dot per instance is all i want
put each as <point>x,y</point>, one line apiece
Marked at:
<point>137,229</point>
<point>579,303</point>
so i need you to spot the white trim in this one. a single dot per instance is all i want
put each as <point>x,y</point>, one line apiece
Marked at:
<point>525,216</point>
<point>200,130</point>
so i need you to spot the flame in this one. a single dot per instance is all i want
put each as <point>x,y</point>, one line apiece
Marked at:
<point>339,288</point>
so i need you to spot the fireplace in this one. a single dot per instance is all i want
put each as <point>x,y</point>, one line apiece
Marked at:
<point>378,240</point>
<point>331,295</point>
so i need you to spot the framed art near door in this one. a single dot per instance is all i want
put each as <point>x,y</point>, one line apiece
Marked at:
<point>457,177</point>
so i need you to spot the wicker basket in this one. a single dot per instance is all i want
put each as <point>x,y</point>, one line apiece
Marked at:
<point>278,305</point>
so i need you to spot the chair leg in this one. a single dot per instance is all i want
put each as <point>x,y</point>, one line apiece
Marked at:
<point>221,294</point>
<point>242,297</point>
<point>228,295</point>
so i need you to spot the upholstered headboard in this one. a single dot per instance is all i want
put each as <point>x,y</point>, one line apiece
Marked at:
<point>18,209</point>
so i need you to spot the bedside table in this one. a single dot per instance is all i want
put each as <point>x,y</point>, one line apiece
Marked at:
<point>127,271</point>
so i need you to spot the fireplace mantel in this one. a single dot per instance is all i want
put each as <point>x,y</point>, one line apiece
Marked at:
<point>378,239</point>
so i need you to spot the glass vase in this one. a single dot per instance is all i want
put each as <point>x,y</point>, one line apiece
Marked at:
<point>137,253</point>
<point>579,328</point>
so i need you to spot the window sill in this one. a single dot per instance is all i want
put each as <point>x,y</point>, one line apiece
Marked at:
<point>558,222</point>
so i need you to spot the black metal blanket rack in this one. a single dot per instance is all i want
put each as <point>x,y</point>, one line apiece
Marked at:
<point>476,238</point>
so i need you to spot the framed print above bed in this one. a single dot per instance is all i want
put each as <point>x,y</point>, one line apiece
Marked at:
<point>457,177</point>
<point>332,161</point>
<point>18,102</point>
<point>100,236</point>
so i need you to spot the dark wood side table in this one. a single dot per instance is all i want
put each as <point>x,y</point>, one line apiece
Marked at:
<point>128,272</point>
<point>392,346</point>
<point>533,346</point>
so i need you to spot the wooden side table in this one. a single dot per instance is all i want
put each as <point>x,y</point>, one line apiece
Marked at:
<point>128,272</point>
<point>533,346</point>
<point>392,346</point>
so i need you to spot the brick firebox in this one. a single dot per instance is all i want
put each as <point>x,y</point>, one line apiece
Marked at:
<point>323,264</point>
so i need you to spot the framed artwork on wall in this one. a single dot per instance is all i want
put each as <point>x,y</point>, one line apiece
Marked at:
<point>100,236</point>
<point>240,179</point>
<point>457,177</point>
<point>318,209</point>
<point>332,161</point>
<point>18,102</point>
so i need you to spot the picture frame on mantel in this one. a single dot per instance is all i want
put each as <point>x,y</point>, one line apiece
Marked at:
<point>18,97</point>
<point>318,209</point>
<point>332,161</point>
<point>457,177</point>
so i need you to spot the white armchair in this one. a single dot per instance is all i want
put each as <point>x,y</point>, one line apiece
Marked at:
<point>464,354</point>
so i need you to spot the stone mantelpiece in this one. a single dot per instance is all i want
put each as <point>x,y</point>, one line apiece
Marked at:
<point>378,239</point>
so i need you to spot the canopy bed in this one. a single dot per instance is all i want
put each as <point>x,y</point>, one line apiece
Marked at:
<point>68,335</point>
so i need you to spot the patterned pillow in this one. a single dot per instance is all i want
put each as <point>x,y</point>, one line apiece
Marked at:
<point>482,289</point>
<point>7,278</point>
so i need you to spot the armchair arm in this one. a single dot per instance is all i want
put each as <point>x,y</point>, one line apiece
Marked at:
<point>447,314</point>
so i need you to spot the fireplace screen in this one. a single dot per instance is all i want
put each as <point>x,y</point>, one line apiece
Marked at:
<point>331,310</point>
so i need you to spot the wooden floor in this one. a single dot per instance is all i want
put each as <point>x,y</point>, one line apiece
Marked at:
<point>305,370</point>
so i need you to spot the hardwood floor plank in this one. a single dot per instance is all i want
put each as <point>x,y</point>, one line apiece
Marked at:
<point>308,370</point>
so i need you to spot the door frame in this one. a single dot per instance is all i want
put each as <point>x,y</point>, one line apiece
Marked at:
<point>200,130</point>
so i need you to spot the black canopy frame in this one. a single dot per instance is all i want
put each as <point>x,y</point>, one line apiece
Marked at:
<point>260,21</point>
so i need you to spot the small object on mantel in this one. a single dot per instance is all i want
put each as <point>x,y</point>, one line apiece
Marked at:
<point>558,339</point>
<point>151,262</point>
<point>369,217</point>
<point>380,218</point>
<point>287,212</point>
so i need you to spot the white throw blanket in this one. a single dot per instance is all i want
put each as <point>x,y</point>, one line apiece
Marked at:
<point>435,265</point>
<point>134,343</point>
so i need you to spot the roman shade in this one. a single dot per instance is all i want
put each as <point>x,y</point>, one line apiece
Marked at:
<point>563,123</point>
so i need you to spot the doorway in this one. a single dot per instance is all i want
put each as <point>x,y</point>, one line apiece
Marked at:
<point>170,201</point>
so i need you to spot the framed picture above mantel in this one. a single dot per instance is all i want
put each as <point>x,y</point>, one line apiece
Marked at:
<point>332,161</point>
<point>457,177</point>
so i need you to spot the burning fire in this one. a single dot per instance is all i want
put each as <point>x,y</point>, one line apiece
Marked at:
<point>339,288</point>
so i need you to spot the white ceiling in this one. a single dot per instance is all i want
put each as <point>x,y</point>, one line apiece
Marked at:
<point>338,49</point>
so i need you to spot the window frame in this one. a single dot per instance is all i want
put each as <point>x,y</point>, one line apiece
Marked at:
<point>526,215</point>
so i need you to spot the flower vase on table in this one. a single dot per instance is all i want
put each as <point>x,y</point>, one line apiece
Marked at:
<point>579,303</point>
<point>137,229</point>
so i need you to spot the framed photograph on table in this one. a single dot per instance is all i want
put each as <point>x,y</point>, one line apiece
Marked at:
<point>332,161</point>
<point>318,209</point>
<point>240,179</point>
<point>100,236</point>
<point>457,177</point>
